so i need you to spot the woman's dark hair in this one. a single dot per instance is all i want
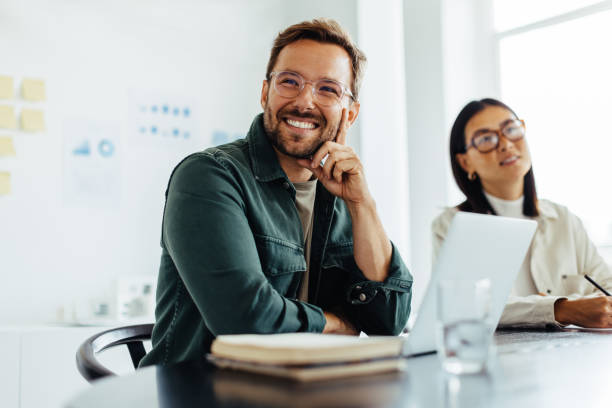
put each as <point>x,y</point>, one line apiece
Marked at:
<point>476,201</point>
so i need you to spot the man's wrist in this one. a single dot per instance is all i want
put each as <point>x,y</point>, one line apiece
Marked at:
<point>367,206</point>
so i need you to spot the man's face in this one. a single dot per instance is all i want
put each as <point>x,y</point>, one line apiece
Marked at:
<point>298,126</point>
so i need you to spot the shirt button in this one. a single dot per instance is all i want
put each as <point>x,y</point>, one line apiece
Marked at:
<point>548,291</point>
<point>362,297</point>
<point>564,276</point>
<point>286,185</point>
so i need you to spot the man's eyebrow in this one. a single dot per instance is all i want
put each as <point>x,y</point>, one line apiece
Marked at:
<point>295,71</point>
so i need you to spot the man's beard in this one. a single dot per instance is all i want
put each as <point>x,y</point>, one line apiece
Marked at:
<point>282,141</point>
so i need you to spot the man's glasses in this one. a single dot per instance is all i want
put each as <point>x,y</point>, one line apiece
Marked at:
<point>325,92</point>
<point>487,140</point>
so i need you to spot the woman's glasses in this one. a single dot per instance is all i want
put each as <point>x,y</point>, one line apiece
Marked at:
<point>487,140</point>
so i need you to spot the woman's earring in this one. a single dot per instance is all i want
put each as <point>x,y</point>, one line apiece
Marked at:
<point>472,176</point>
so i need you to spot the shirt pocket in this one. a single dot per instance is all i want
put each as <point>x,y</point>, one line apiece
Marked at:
<point>575,284</point>
<point>340,256</point>
<point>282,263</point>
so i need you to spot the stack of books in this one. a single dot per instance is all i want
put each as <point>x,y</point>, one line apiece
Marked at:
<point>307,356</point>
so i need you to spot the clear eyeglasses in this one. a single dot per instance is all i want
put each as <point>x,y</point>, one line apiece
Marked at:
<point>325,92</point>
<point>487,140</point>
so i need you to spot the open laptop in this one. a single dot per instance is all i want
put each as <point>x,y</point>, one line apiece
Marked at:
<point>477,246</point>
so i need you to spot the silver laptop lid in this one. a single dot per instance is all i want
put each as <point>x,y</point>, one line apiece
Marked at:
<point>476,246</point>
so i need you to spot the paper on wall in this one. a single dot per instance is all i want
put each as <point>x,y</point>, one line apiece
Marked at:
<point>7,117</point>
<point>5,183</point>
<point>92,163</point>
<point>6,87</point>
<point>32,120</point>
<point>33,90</point>
<point>6,146</point>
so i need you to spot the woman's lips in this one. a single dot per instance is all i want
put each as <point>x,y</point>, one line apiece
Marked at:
<point>510,160</point>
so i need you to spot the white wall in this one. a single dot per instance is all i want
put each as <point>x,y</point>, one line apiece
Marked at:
<point>94,56</point>
<point>470,64</point>
<point>383,122</point>
<point>426,129</point>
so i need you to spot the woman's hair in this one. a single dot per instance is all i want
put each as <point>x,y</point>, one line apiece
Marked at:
<point>475,199</point>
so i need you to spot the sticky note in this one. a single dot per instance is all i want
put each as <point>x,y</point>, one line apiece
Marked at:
<point>5,183</point>
<point>32,120</point>
<point>6,87</point>
<point>7,117</point>
<point>33,90</point>
<point>6,146</point>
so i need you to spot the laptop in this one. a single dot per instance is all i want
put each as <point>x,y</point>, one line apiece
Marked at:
<point>477,246</point>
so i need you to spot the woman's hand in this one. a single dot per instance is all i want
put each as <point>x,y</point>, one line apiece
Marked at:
<point>593,312</point>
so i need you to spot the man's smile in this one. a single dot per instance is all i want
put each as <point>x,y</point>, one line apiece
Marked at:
<point>300,124</point>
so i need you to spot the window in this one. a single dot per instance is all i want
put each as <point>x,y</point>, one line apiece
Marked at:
<point>557,74</point>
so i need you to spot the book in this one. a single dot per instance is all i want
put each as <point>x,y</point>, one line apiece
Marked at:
<point>307,356</point>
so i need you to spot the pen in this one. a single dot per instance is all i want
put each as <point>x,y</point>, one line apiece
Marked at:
<point>587,277</point>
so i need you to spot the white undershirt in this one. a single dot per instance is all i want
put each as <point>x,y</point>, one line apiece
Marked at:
<point>305,194</point>
<point>524,284</point>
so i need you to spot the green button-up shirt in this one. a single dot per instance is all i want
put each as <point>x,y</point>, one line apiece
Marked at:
<point>233,257</point>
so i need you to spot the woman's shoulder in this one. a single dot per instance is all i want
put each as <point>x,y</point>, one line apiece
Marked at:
<point>558,217</point>
<point>553,210</point>
<point>443,220</point>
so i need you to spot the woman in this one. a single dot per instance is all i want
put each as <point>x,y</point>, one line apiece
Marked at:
<point>492,166</point>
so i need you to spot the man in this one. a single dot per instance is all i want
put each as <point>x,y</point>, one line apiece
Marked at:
<point>259,236</point>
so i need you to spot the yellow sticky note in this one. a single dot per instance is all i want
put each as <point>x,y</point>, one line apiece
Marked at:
<point>6,87</point>
<point>5,183</point>
<point>33,90</point>
<point>6,146</point>
<point>7,117</point>
<point>32,120</point>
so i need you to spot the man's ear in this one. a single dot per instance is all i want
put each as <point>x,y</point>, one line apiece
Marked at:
<point>353,112</point>
<point>264,94</point>
<point>464,162</point>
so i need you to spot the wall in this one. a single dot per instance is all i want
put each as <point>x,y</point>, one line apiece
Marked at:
<point>425,124</point>
<point>384,143</point>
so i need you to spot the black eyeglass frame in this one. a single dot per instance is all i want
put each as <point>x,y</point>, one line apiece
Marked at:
<point>500,133</point>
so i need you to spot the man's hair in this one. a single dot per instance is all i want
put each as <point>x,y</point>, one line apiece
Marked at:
<point>325,31</point>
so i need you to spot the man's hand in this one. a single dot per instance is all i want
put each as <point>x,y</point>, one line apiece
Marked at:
<point>342,174</point>
<point>337,325</point>
<point>593,312</point>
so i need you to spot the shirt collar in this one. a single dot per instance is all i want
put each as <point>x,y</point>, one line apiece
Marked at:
<point>263,157</point>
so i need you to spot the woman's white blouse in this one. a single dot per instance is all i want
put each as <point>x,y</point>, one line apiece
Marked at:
<point>560,255</point>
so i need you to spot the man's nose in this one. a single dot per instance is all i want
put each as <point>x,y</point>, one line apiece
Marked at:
<point>305,99</point>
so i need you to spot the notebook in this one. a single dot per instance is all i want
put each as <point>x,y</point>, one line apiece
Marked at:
<point>307,356</point>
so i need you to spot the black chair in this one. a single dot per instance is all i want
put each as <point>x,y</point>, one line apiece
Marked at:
<point>131,336</point>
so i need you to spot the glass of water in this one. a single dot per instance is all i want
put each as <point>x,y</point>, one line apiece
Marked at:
<point>464,328</point>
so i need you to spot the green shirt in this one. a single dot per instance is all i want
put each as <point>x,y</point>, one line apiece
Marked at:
<point>233,257</point>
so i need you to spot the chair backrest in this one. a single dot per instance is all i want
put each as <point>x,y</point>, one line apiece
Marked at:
<point>132,336</point>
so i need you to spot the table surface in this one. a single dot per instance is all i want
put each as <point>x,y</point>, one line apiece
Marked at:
<point>527,369</point>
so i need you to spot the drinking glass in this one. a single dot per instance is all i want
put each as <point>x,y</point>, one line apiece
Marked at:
<point>464,328</point>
